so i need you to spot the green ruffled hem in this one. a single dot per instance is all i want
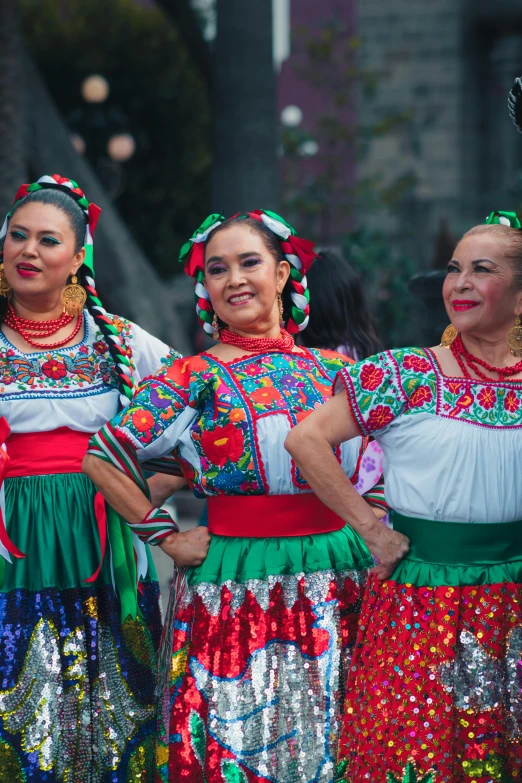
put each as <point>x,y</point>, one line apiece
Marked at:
<point>435,575</point>
<point>240,559</point>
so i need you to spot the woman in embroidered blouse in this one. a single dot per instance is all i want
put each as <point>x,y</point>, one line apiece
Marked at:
<point>77,646</point>
<point>259,636</point>
<point>435,684</point>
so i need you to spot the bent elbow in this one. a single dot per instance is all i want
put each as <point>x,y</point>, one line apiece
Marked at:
<point>89,465</point>
<point>293,440</point>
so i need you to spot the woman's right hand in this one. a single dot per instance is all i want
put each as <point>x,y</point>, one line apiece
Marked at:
<point>187,549</point>
<point>388,549</point>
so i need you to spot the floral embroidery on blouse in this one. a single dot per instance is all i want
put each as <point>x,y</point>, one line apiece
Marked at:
<point>86,368</point>
<point>408,381</point>
<point>228,400</point>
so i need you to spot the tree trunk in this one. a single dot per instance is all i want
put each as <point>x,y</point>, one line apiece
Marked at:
<point>12,89</point>
<point>246,174</point>
<point>127,282</point>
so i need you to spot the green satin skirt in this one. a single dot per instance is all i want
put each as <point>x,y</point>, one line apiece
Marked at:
<point>91,646</point>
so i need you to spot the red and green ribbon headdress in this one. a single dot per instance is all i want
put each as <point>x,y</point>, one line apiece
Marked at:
<point>298,252</point>
<point>504,219</point>
<point>91,211</point>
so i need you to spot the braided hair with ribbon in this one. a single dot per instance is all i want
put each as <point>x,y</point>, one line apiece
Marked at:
<point>281,239</point>
<point>65,194</point>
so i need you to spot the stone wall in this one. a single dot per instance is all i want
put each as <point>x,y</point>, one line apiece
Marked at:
<point>443,68</point>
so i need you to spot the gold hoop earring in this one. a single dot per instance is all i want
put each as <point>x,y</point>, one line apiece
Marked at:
<point>449,335</point>
<point>280,305</point>
<point>514,338</point>
<point>5,288</point>
<point>74,297</point>
<point>215,327</point>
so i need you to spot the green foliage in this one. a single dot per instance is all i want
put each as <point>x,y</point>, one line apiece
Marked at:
<point>322,193</point>
<point>162,98</point>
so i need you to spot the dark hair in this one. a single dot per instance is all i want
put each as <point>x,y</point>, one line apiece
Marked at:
<point>63,202</point>
<point>77,220</point>
<point>272,243</point>
<point>339,314</point>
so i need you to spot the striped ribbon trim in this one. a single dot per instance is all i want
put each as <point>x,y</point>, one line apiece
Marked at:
<point>376,496</point>
<point>168,465</point>
<point>114,448</point>
<point>111,447</point>
<point>155,527</point>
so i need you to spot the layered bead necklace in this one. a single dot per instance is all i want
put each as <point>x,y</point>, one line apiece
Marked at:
<point>31,330</point>
<point>464,357</point>
<point>285,343</point>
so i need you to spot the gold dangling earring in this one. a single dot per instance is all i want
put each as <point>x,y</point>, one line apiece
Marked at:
<point>74,297</point>
<point>5,288</point>
<point>215,327</point>
<point>280,305</point>
<point>449,335</point>
<point>514,338</point>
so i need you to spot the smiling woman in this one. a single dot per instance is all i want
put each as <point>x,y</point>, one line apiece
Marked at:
<point>257,646</point>
<point>436,680</point>
<point>66,611</point>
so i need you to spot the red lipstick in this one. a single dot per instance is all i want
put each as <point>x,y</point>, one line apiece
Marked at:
<point>460,305</point>
<point>27,270</point>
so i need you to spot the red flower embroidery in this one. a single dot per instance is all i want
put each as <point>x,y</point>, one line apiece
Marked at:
<point>143,420</point>
<point>417,363</point>
<point>380,417</point>
<point>487,398</point>
<point>420,396</point>
<point>100,347</point>
<point>266,395</point>
<point>511,402</point>
<point>222,444</point>
<point>454,387</point>
<point>54,369</point>
<point>371,377</point>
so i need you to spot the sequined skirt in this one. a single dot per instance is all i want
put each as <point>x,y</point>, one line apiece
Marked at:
<point>434,693</point>
<point>76,687</point>
<point>258,660</point>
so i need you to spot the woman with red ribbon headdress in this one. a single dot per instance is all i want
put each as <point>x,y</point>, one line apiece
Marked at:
<point>257,637</point>
<point>77,638</point>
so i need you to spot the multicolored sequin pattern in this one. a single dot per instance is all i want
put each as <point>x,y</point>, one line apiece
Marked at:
<point>435,679</point>
<point>229,400</point>
<point>77,693</point>
<point>409,382</point>
<point>267,707</point>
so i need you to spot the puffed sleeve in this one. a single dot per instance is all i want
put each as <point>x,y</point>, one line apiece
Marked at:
<point>149,353</point>
<point>148,432</point>
<point>374,390</point>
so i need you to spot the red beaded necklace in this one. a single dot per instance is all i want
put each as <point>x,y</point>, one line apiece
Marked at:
<point>285,343</point>
<point>38,329</point>
<point>462,356</point>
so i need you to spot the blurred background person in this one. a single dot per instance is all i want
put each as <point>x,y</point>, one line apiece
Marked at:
<point>340,320</point>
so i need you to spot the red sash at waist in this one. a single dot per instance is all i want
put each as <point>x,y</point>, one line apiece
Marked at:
<point>270,516</point>
<point>42,453</point>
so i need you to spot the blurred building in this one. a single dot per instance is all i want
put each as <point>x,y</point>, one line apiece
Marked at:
<point>448,65</point>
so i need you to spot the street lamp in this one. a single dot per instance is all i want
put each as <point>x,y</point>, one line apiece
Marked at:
<point>291,116</point>
<point>121,147</point>
<point>95,89</point>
